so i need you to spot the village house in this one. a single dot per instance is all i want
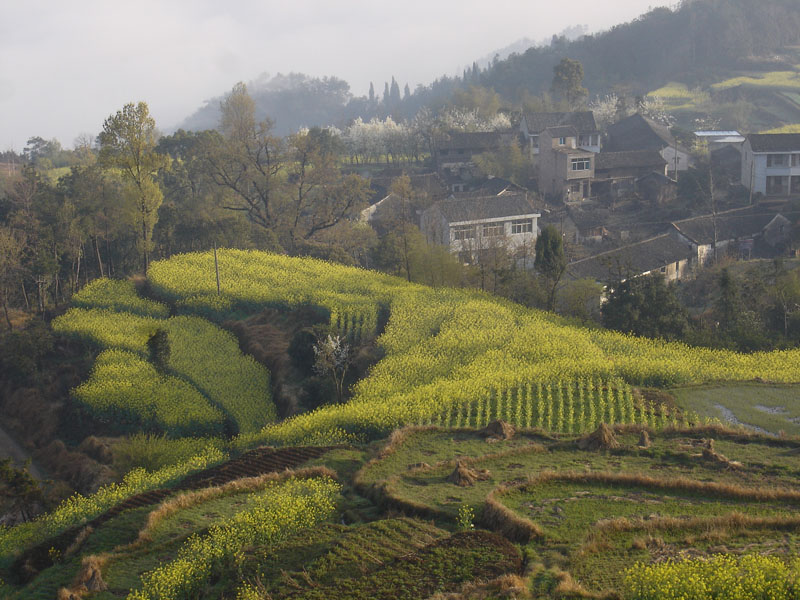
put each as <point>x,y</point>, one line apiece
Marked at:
<point>771,164</point>
<point>533,124</point>
<point>734,231</point>
<point>616,173</point>
<point>656,189</point>
<point>469,225</point>
<point>565,169</point>
<point>640,133</point>
<point>716,140</point>
<point>661,254</point>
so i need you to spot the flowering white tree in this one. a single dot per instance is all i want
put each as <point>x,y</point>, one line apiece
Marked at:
<point>332,357</point>
<point>605,110</point>
<point>459,119</point>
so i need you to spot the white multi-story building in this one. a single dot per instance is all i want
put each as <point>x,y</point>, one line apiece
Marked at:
<point>469,226</point>
<point>771,164</point>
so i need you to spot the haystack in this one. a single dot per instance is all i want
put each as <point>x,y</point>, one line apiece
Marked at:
<point>644,439</point>
<point>602,438</point>
<point>463,476</point>
<point>716,458</point>
<point>498,430</point>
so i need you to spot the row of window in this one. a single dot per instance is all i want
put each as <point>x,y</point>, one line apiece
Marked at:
<point>783,160</point>
<point>783,185</point>
<point>469,232</point>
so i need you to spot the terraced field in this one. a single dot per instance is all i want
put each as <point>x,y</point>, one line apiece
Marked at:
<point>593,513</point>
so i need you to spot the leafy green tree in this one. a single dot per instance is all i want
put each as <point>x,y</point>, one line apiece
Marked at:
<point>20,488</point>
<point>158,347</point>
<point>12,249</point>
<point>645,306</point>
<point>581,299</point>
<point>550,261</point>
<point>127,143</point>
<point>568,81</point>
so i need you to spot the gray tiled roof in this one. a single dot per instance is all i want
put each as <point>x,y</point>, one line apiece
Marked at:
<point>629,159</point>
<point>638,133</point>
<point>470,141</point>
<point>582,121</point>
<point>631,260</point>
<point>484,207</point>
<point>774,142</point>
<point>731,225</point>
<point>561,131</point>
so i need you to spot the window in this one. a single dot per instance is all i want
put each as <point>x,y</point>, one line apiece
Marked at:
<point>796,160</point>
<point>493,229</point>
<point>464,232</point>
<point>777,186</point>
<point>777,160</point>
<point>581,164</point>
<point>575,188</point>
<point>522,226</point>
<point>535,141</point>
<point>562,141</point>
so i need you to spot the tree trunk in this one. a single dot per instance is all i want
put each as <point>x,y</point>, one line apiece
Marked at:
<point>5,311</point>
<point>99,260</point>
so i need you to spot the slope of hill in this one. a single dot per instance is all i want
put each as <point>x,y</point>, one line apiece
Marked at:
<point>229,522</point>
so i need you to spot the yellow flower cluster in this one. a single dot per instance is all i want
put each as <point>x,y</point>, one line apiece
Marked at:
<point>120,296</point>
<point>721,577</point>
<point>284,509</point>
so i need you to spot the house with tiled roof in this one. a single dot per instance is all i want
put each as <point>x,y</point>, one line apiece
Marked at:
<point>534,123</point>
<point>771,164</point>
<point>456,149</point>
<point>640,133</point>
<point>565,169</point>
<point>663,254</point>
<point>729,231</point>
<point>616,173</point>
<point>468,225</point>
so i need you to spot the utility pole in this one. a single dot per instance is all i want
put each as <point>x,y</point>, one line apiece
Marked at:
<point>713,205</point>
<point>216,266</point>
<point>675,147</point>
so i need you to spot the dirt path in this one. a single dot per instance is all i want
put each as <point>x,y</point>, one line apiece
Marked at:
<point>9,448</point>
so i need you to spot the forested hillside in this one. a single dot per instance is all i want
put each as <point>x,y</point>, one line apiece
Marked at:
<point>697,43</point>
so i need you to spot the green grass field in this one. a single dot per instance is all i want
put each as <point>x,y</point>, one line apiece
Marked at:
<point>763,407</point>
<point>778,80</point>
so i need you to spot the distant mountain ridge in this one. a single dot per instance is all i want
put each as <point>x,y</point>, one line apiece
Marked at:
<point>698,42</point>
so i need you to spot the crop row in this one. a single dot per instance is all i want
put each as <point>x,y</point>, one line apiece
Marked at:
<point>564,407</point>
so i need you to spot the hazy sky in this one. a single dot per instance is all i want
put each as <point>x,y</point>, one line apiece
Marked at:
<point>65,65</point>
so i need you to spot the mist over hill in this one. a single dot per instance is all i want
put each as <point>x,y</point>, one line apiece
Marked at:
<point>697,42</point>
